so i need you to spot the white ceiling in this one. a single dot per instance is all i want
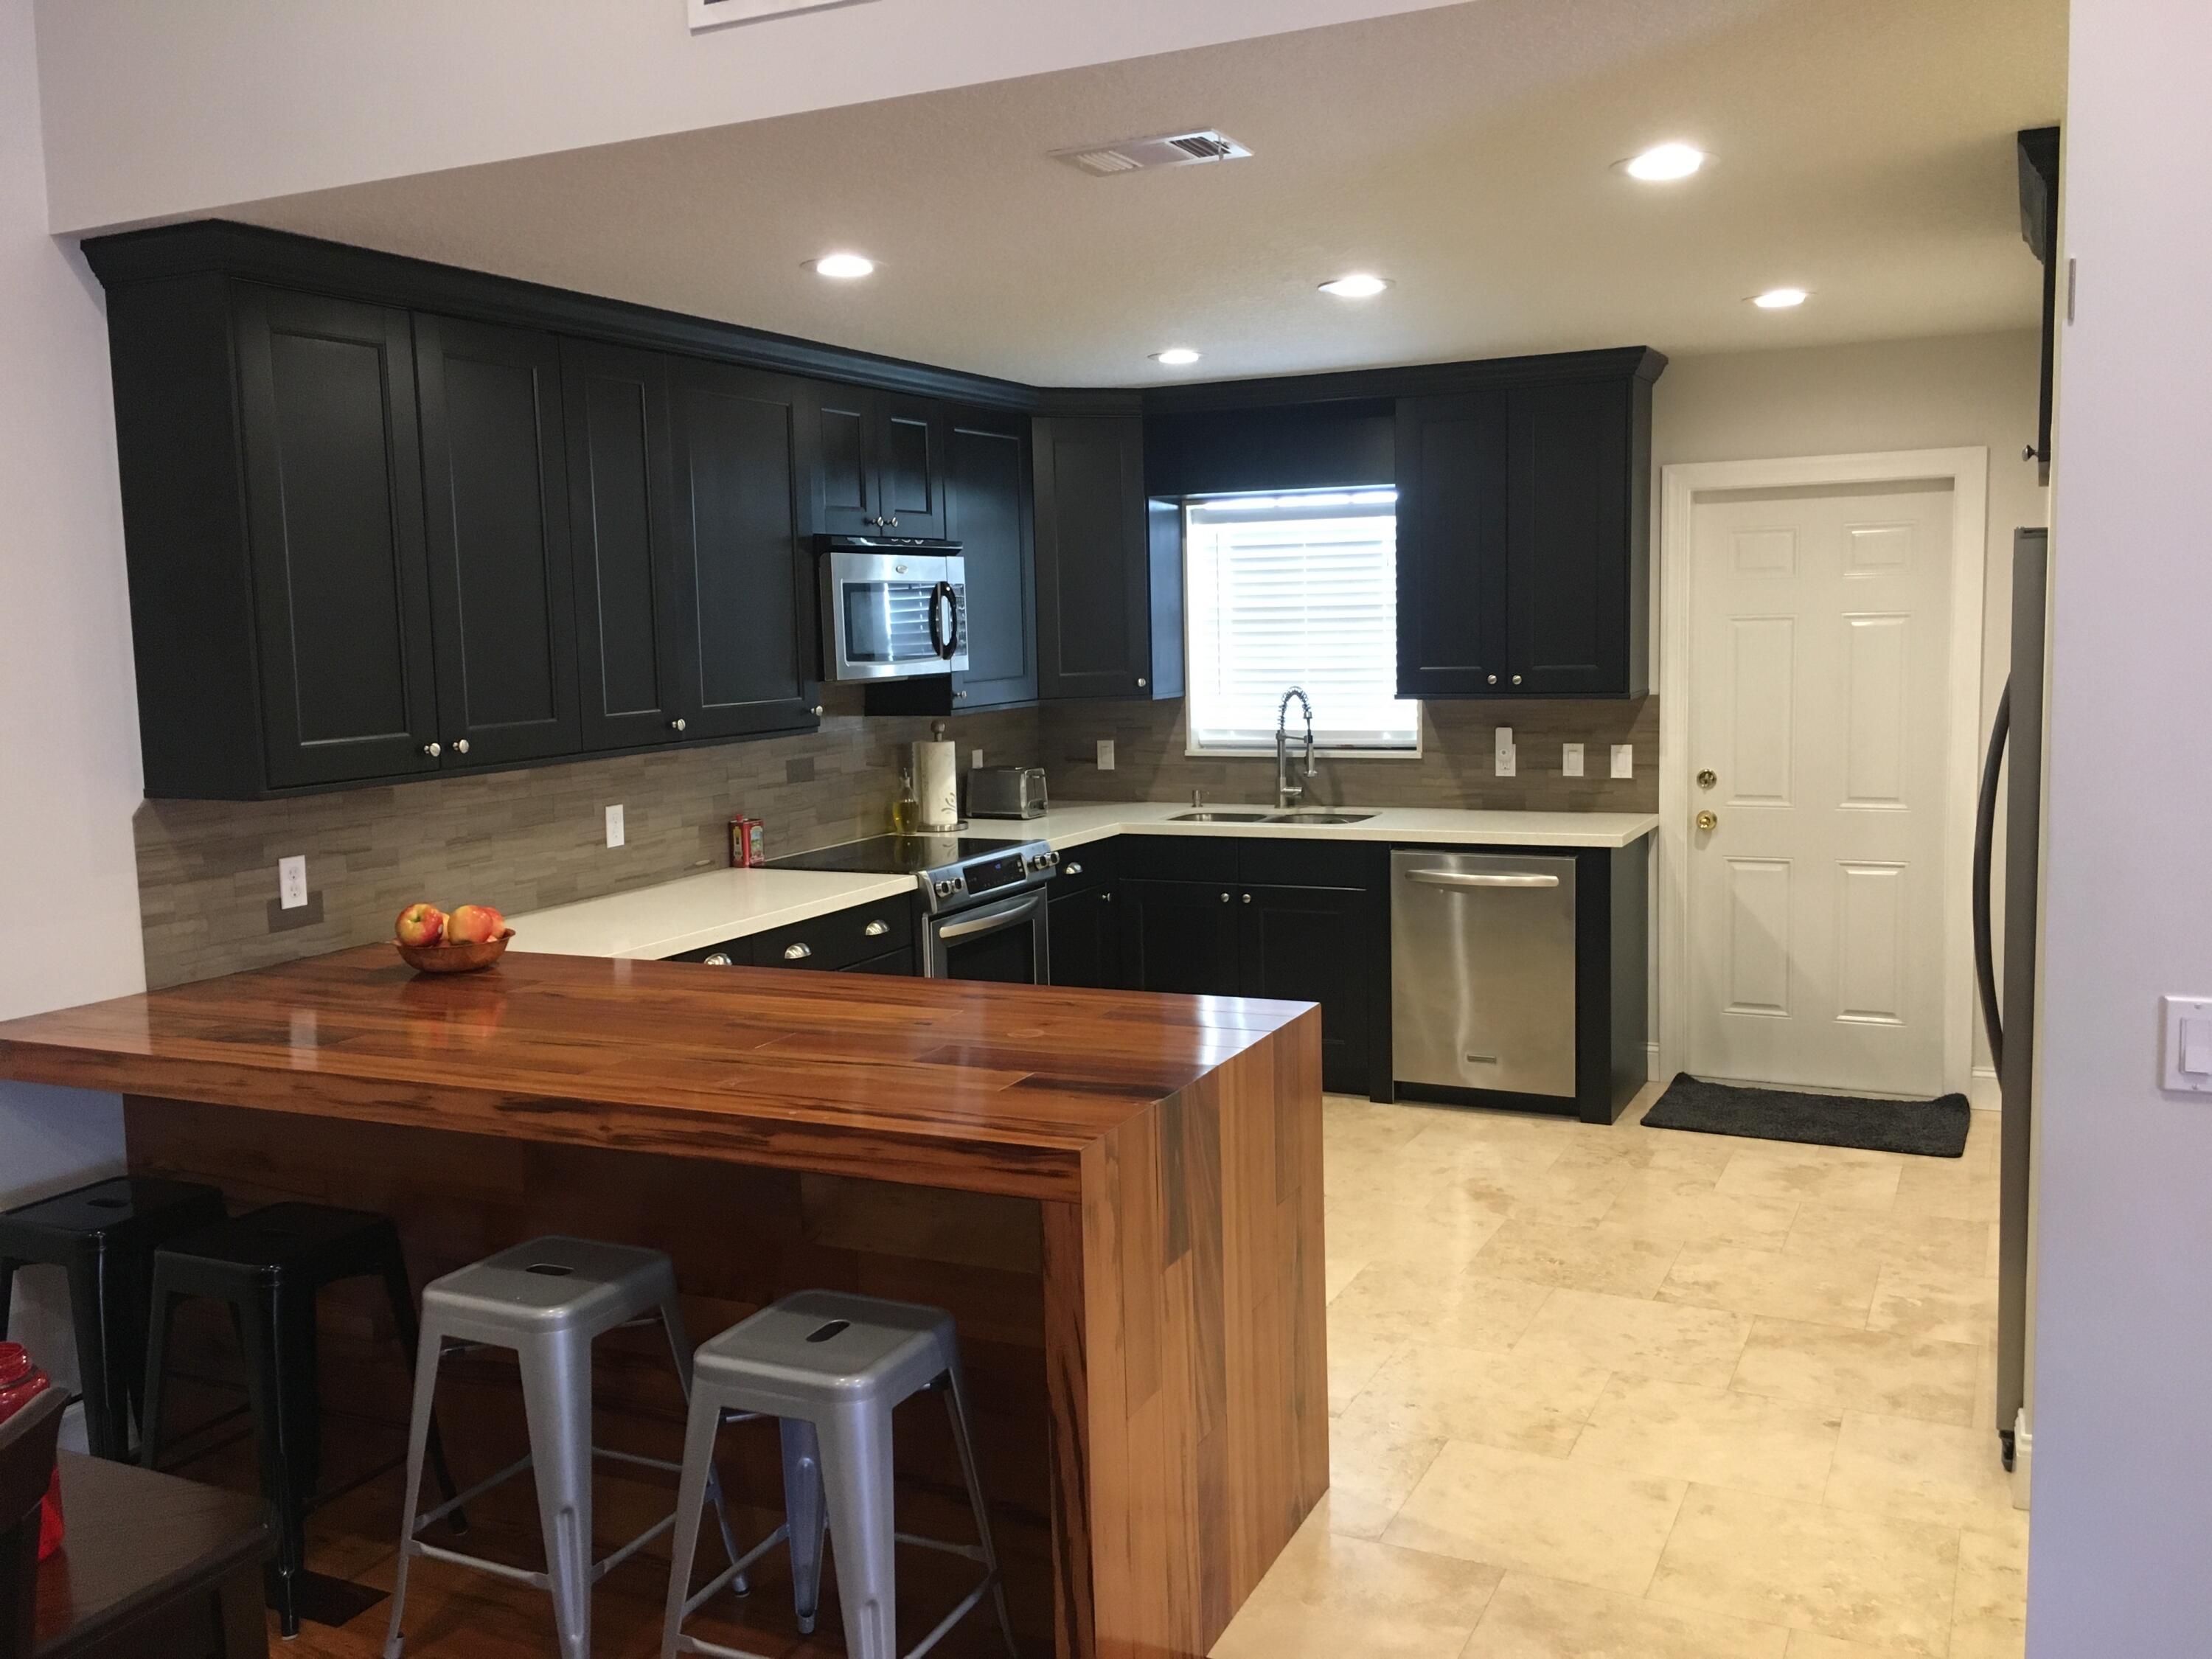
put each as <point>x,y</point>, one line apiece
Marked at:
<point>1863,150</point>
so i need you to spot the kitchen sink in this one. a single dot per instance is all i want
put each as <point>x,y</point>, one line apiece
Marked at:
<point>1317,817</point>
<point>1219,817</point>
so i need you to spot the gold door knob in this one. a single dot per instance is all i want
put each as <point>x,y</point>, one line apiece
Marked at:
<point>1709,821</point>
<point>1708,778</point>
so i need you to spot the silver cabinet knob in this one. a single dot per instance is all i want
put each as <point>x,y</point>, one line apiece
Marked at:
<point>818,711</point>
<point>433,750</point>
<point>1225,898</point>
<point>1493,679</point>
<point>2027,453</point>
<point>1140,682</point>
<point>876,929</point>
<point>894,523</point>
<point>1516,679</point>
<point>1106,898</point>
<point>461,745</point>
<point>676,725</point>
<point>1248,898</point>
<point>719,959</point>
<point>956,696</point>
<point>797,952</point>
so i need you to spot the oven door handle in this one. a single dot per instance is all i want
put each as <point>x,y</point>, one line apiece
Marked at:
<point>992,921</point>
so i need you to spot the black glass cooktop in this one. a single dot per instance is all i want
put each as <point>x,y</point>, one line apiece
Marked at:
<point>895,855</point>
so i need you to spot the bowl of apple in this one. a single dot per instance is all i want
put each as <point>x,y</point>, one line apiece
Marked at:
<point>430,941</point>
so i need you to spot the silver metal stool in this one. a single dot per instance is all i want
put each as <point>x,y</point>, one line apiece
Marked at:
<point>830,1367</point>
<point>548,1300</point>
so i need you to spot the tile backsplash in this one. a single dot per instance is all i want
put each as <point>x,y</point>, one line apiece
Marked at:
<point>1455,767</point>
<point>207,870</point>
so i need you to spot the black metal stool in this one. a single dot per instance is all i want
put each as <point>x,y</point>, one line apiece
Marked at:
<point>268,1265</point>
<point>104,1236</point>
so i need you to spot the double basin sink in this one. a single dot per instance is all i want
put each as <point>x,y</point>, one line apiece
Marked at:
<point>1311,816</point>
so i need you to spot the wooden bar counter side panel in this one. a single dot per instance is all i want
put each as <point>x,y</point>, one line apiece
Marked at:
<point>1118,1196</point>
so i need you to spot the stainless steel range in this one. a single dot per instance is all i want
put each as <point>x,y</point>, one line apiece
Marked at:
<point>983,900</point>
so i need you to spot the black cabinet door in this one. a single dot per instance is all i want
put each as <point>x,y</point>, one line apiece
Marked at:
<point>1179,936</point>
<point>334,505</point>
<point>1312,945</point>
<point>842,419</point>
<point>987,498</point>
<point>741,461</point>
<point>1452,530</point>
<point>620,491</point>
<point>1569,556</point>
<point>1086,938</point>
<point>910,436</point>
<point>1094,577</point>
<point>496,501</point>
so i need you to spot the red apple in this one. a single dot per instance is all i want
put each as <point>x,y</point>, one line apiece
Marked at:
<point>420,924</point>
<point>473,924</point>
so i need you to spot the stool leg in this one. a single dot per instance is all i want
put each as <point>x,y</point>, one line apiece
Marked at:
<point>956,1405</point>
<point>402,1297</point>
<point>430,1349</point>
<point>856,1472</point>
<point>679,1345</point>
<point>161,1307</point>
<point>804,1510</point>
<point>267,1346</point>
<point>705,1419</point>
<point>106,1430</point>
<point>556,1398</point>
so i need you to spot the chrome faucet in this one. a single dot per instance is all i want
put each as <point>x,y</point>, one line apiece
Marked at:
<point>1285,791</point>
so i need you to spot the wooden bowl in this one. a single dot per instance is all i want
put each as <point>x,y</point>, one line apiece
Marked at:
<point>453,958</point>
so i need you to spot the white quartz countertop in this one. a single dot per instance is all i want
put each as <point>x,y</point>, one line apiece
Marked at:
<point>694,911</point>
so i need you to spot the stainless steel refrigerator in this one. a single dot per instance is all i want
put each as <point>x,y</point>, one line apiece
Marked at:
<point>2014,766</point>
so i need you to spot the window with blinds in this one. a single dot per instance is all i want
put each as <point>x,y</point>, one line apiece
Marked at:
<point>1295,590</point>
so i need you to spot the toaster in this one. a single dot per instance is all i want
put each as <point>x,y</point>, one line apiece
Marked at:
<point>1006,791</point>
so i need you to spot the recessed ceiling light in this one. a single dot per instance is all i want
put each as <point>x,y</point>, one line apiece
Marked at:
<point>1176,356</point>
<point>1358,286</point>
<point>1779,299</point>
<point>1663,163</point>
<point>843,267</point>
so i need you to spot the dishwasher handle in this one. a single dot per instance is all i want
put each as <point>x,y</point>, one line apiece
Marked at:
<point>1477,878</point>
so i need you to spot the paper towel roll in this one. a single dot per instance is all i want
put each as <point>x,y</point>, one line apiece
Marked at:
<point>936,785</point>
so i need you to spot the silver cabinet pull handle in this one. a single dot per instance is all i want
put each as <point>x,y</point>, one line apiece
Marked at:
<point>719,959</point>
<point>1072,870</point>
<point>433,750</point>
<point>1470,878</point>
<point>876,929</point>
<point>797,952</point>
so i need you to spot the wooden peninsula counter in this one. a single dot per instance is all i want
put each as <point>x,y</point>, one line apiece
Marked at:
<point>1118,1196</point>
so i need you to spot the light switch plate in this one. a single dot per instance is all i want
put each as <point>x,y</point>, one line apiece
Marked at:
<point>975,760</point>
<point>292,882</point>
<point>1570,760</point>
<point>1624,760</point>
<point>1506,758</point>
<point>1105,754</point>
<point>2188,1021</point>
<point>614,826</point>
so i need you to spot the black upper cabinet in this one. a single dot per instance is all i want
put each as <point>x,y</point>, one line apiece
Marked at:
<point>1523,537</point>
<point>495,496</point>
<point>332,466</point>
<point>2038,226</point>
<point>744,468</point>
<point>1109,581</point>
<point>883,462</point>
<point>621,489</point>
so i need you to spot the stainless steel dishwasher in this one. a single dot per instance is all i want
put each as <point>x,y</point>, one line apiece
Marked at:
<point>1482,972</point>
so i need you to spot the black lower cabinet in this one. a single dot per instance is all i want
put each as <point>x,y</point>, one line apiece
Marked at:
<point>1086,938</point>
<point>1310,945</point>
<point>1182,936</point>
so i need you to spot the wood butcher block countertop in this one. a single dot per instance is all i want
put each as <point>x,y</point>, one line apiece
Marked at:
<point>946,1084</point>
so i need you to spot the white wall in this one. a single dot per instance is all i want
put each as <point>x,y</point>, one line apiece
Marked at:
<point>154,107</point>
<point>69,724</point>
<point>2124,1354</point>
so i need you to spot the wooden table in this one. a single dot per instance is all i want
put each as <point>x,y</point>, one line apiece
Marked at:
<point>1117,1193</point>
<point>152,1567</point>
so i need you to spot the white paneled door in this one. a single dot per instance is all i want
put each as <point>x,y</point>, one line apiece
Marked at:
<point>1819,678</point>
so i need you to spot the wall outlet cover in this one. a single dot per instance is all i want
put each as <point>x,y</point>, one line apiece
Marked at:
<point>1105,754</point>
<point>1624,760</point>
<point>292,882</point>
<point>615,833</point>
<point>1506,761</point>
<point>1570,760</point>
<point>975,760</point>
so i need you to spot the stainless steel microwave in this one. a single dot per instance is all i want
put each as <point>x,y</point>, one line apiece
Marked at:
<point>892,608</point>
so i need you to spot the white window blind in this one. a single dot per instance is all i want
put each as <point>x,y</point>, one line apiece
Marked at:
<point>1295,590</point>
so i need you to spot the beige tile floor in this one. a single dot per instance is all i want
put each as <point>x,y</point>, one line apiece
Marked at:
<point>1631,1394</point>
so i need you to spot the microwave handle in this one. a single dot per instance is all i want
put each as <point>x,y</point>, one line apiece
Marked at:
<point>944,627</point>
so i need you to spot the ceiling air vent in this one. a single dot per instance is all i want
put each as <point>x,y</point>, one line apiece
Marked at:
<point>1173,149</point>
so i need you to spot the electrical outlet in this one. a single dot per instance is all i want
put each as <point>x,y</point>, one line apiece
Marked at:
<point>1506,767</point>
<point>614,826</point>
<point>1105,754</point>
<point>292,882</point>
<point>1570,760</point>
<point>1624,760</point>
<point>975,760</point>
